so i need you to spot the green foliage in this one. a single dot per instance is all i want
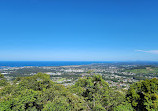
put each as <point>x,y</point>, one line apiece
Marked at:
<point>36,82</point>
<point>145,70</point>
<point>3,81</point>
<point>97,93</point>
<point>66,103</point>
<point>39,93</point>
<point>143,95</point>
<point>27,99</point>
<point>1,76</point>
<point>124,107</point>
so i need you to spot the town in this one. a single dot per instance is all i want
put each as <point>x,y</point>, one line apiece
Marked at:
<point>117,75</point>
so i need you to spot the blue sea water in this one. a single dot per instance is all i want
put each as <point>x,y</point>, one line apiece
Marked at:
<point>45,63</point>
<point>66,63</point>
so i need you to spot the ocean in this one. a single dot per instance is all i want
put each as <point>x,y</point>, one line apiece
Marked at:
<point>45,63</point>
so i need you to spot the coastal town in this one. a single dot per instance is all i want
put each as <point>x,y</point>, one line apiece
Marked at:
<point>117,75</point>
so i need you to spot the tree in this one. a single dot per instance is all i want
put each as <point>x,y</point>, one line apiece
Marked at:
<point>125,106</point>
<point>143,95</point>
<point>3,81</point>
<point>38,93</point>
<point>95,91</point>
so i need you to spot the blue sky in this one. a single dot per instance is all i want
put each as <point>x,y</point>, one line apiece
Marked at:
<point>78,30</point>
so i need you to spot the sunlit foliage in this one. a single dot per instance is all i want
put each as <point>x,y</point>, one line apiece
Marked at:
<point>40,93</point>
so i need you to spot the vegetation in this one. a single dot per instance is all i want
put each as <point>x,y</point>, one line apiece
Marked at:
<point>143,95</point>
<point>3,81</point>
<point>39,93</point>
<point>143,70</point>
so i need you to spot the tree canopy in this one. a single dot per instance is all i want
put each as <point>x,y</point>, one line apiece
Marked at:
<point>143,95</point>
<point>40,93</point>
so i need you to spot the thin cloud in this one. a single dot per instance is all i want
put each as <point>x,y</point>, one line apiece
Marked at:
<point>149,51</point>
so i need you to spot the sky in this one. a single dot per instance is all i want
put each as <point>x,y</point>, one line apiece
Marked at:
<point>78,30</point>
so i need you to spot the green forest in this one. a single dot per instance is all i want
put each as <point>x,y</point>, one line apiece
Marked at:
<point>40,93</point>
<point>144,70</point>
